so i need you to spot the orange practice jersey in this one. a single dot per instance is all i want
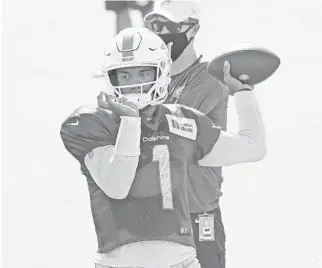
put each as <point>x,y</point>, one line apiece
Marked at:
<point>157,206</point>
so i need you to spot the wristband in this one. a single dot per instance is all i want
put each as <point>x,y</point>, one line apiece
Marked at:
<point>244,89</point>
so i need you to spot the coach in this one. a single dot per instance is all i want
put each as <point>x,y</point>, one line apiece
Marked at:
<point>177,23</point>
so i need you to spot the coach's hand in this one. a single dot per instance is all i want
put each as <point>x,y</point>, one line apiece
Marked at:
<point>233,84</point>
<point>120,106</point>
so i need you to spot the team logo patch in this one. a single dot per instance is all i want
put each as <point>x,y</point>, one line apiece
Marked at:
<point>185,231</point>
<point>166,2</point>
<point>183,127</point>
<point>90,154</point>
<point>177,93</point>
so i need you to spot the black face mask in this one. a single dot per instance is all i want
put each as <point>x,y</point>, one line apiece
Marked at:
<point>179,43</point>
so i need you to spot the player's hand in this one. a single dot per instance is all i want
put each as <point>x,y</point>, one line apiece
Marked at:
<point>233,84</point>
<point>121,106</point>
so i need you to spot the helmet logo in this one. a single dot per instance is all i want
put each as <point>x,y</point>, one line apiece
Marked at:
<point>166,2</point>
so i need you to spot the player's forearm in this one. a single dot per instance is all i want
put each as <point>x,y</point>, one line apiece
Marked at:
<point>113,174</point>
<point>248,145</point>
<point>113,168</point>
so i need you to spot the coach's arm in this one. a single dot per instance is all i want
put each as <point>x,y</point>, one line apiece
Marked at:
<point>248,145</point>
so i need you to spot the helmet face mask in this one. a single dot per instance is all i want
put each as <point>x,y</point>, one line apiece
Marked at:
<point>127,67</point>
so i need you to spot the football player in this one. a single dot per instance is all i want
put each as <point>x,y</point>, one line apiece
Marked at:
<point>177,23</point>
<point>136,152</point>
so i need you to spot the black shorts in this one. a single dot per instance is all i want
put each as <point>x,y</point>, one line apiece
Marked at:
<point>211,254</point>
<point>115,5</point>
<point>118,6</point>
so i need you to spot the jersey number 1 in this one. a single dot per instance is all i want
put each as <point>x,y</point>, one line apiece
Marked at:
<point>161,155</point>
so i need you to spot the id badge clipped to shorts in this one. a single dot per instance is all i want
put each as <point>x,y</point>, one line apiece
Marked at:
<point>206,227</point>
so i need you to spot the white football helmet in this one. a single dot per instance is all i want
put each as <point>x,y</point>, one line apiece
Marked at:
<point>133,47</point>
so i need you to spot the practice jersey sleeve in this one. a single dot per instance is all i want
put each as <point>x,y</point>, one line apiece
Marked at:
<point>114,167</point>
<point>248,145</point>
<point>206,133</point>
<point>88,128</point>
<point>105,145</point>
